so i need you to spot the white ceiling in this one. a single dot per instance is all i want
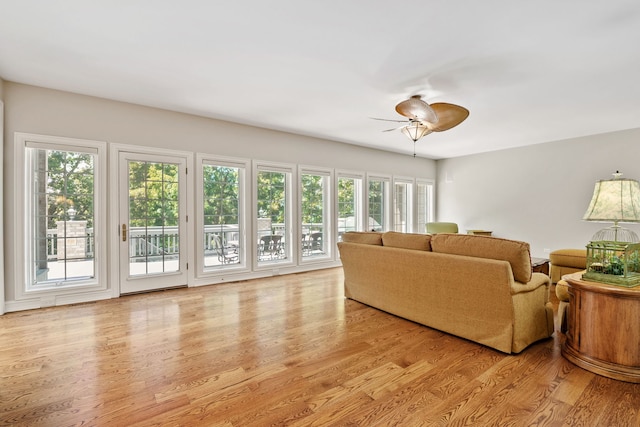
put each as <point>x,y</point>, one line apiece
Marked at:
<point>529,72</point>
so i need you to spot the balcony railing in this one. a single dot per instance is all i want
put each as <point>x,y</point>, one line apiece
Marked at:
<point>164,241</point>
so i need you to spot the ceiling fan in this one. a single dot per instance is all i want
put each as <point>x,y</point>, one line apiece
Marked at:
<point>424,118</point>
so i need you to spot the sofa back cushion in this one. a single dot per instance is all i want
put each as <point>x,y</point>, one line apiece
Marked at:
<point>421,242</point>
<point>515,252</point>
<point>363,237</point>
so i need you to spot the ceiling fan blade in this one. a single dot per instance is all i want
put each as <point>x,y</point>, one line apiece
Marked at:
<point>390,120</point>
<point>449,115</point>
<point>392,129</point>
<point>415,108</point>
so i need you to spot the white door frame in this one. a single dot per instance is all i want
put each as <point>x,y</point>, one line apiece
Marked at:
<point>185,276</point>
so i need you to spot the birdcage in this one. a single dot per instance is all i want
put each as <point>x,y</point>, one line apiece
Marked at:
<point>617,263</point>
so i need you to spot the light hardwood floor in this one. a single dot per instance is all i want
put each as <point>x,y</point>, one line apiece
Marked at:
<point>287,350</point>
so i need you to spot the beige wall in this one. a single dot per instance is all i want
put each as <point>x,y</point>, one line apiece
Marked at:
<point>537,193</point>
<point>37,110</point>
<point>2,239</point>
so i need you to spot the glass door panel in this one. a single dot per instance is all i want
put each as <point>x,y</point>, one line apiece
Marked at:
<point>151,222</point>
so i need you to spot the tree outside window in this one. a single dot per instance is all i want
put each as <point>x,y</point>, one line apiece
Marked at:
<point>313,214</point>
<point>221,195</point>
<point>62,217</point>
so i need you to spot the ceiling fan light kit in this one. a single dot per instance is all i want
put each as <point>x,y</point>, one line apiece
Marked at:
<point>416,130</point>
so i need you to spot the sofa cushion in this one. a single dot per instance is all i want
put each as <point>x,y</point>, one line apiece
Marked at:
<point>364,237</point>
<point>515,252</point>
<point>575,258</point>
<point>421,242</point>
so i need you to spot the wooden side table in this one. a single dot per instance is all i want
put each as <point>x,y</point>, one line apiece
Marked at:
<point>480,232</point>
<point>603,330</point>
<point>540,265</point>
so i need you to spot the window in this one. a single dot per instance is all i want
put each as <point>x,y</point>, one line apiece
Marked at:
<point>153,217</point>
<point>402,206</point>
<point>349,205</point>
<point>222,209</point>
<point>378,196</point>
<point>314,212</point>
<point>273,205</point>
<point>424,205</point>
<point>62,226</point>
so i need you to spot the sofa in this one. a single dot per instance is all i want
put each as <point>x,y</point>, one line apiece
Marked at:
<point>476,287</point>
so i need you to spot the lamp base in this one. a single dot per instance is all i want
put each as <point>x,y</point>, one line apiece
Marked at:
<point>615,233</point>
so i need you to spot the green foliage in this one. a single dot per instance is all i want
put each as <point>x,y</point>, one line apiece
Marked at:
<point>346,197</point>
<point>272,196</point>
<point>312,199</point>
<point>221,192</point>
<point>69,184</point>
<point>153,194</point>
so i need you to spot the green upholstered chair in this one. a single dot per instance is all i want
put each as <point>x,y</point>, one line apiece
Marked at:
<point>442,227</point>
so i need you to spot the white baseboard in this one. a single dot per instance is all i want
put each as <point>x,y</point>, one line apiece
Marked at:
<point>55,300</point>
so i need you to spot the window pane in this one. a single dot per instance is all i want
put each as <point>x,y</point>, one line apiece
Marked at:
<point>378,195</point>
<point>348,205</point>
<point>154,245</point>
<point>272,216</point>
<point>424,195</point>
<point>61,217</point>
<point>313,215</point>
<point>402,207</point>
<point>221,196</point>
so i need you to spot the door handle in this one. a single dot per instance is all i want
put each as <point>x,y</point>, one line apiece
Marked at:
<point>124,232</point>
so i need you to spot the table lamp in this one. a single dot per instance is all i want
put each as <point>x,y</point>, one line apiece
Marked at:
<point>613,253</point>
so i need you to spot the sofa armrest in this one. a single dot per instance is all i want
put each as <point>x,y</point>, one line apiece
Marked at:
<point>537,280</point>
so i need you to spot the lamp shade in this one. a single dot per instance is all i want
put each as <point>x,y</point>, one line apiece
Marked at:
<point>615,200</point>
<point>415,130</point>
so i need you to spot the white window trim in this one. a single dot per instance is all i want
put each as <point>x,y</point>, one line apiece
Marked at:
<point>361,202</point>
<point>244,199</point>
<point>49,295</point>
<point>430,203</point>
<point>114,215</point>
<point>329,214</point>
<point>290,214</point>
<point>411,208</point>
<point>387,205</point>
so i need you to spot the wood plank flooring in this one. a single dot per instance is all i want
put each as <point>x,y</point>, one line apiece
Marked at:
<point>282,351</point>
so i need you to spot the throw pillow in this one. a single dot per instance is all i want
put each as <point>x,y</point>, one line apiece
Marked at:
<point>515,252</point>
<point>415,241</point>
<point>364,237</point>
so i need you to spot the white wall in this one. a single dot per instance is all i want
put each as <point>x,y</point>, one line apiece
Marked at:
<point>537,194</point>
<point>37,110</point>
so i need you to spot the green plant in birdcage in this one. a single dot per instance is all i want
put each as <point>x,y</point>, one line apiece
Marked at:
<point>615,266</point>
<point>633,264</point>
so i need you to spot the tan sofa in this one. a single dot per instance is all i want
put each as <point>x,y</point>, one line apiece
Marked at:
<point>475,287</point>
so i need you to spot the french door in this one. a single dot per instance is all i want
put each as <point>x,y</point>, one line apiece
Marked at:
<point>152,222</point>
